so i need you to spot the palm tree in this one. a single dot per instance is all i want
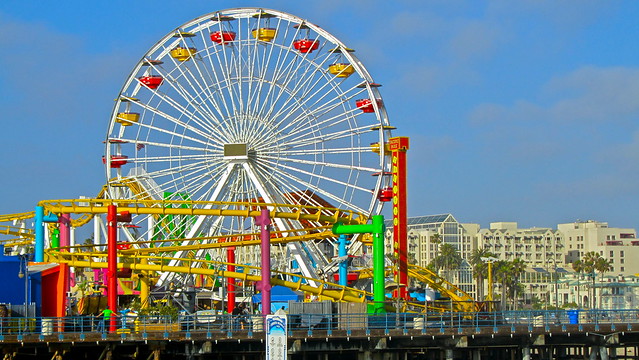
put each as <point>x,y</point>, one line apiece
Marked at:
<point>436,238</point>
<point>602,265</point>
<point>501,274</point>
<point>578,266</point>
<point>508,273</point>
<point>592,262</point>
<point>517,268</point>
<point>480,268</point>
<point>448,259</point>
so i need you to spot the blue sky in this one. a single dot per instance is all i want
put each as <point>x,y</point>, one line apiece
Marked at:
<point>517,110</point>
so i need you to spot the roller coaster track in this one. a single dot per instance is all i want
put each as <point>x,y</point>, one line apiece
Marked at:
<point>19,216</point>
<point>88,208</point>
<point>327,290</point>
<point>460,299</point>
<point>22,233</point>
<point>244,209</point>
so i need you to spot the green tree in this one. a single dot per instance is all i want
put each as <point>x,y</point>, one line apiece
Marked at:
<point>447,260</point>
<point>480,268</point>
<point>501,274</point>
<point>507,274</point>
<point>578,266</point>
<point>593,263</point>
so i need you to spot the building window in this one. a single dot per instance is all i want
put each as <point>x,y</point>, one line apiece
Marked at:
<point>623,268</point>
<point>621,261</point>
<point>612,253</point>
<point>621,253</point>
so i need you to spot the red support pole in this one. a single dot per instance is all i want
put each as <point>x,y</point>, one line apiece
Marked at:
<point>112,261</point>
<point>398,147</point>
<point>230,288</point>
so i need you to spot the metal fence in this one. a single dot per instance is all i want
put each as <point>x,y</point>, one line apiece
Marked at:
<point>229,324</point>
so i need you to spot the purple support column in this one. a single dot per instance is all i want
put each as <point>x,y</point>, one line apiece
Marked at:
<point>264,221</point>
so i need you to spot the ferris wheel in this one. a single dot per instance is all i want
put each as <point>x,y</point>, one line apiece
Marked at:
<point>248,104</point>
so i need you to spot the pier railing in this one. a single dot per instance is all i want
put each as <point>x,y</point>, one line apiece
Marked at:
<point>227,324</point>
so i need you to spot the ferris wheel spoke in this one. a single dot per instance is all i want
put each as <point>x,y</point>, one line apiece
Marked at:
<point>201,105</point>
<point>211,114</point>
<point>280,61</point>
<point>314,70</point>
<point>183,71</point>
<point>180,90</point>
<point>177,122</point>
<point>324,151</point>
<point>176,169</point>
<point>215,77</point>
<point>329,126</point>
<point>204,79</point>
<point>332,136</point>
<point>178,147</point>
<point>326,164</point>
<point>316,175</point>
<point>300,93</point>
<point>318,111</point>
<point>202,121</point>
<point>340,202</point>
<point>316,96</point>
<point>183,157</point>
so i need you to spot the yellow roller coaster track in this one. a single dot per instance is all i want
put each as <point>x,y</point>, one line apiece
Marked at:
<point>19,216</point>
<point>461,300</point>
<point>211,268</point>
<point>16,231</point>
<point>143,204</point>
<point>244,209</point>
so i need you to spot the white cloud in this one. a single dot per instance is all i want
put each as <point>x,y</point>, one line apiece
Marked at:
<point>476,39</point>
<point>609,95</point>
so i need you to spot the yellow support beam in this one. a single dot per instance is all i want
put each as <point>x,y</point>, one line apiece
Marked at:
<point>243,209</point>
<point>326,289</point>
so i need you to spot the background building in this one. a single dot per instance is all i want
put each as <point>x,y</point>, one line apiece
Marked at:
<point>618,245</point>
<point>423,248</point>
<point>542,249</point>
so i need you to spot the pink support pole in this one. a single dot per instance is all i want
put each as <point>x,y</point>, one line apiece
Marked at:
<point>112,261</point>
<point>264,221</point>
<point>64,225</point>
<point>230,258</point>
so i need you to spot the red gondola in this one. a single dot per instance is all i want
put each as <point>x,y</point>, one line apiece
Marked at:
<point>151,81</point>
<point>306,45</point>
<point>222,37</point>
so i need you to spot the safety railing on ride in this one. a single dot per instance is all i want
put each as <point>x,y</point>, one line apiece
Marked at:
<point>228,324</point>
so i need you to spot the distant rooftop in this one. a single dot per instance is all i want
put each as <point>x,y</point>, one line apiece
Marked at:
<point>426,219</point>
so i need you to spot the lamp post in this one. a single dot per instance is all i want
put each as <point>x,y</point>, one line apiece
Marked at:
<point>489,261</point>
<point>24,273</point>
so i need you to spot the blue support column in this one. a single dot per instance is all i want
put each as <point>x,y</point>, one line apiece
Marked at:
<point>343,264</point>
<point>40,219</point>
<point>39,234</point>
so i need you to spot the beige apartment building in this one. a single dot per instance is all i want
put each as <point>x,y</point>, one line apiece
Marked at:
<point>422,250</point>
<point>542,249</point>
<point>619,245</point>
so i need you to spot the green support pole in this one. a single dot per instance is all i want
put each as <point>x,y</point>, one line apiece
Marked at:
<point>55,239</point>
<point>377,229</point>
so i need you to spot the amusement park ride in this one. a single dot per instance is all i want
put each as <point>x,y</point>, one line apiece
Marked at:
<point>247,145</point>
